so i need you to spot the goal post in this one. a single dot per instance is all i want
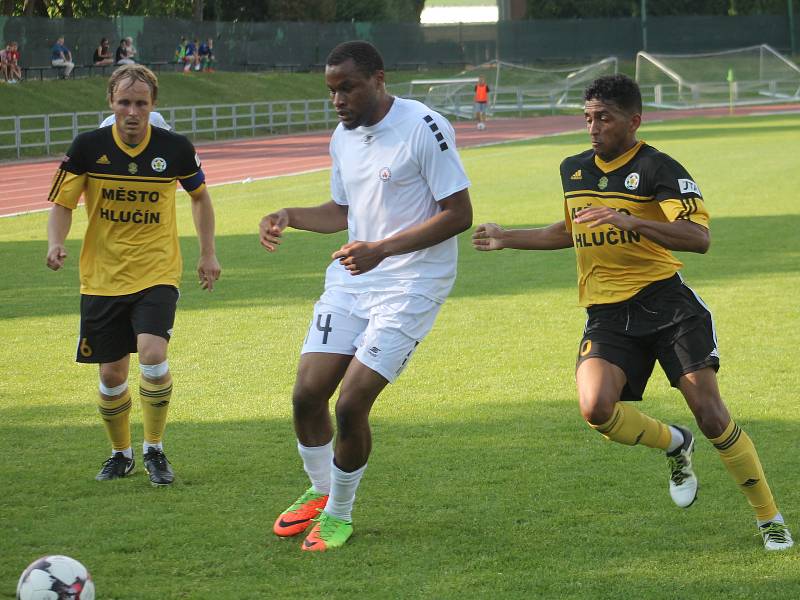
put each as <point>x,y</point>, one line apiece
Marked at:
<point>513,87</point>
<point>738,77</point>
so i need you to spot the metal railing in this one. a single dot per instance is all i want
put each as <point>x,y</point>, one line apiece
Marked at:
<point>44,135</point>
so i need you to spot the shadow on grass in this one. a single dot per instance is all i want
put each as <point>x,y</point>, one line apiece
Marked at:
<point>528,479</point>
<point>741,247</point>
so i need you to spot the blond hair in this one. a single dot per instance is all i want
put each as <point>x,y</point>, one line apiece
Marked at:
<point>133,73</point>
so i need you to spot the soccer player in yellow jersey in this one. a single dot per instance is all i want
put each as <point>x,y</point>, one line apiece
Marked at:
<point>130,263</point>
<point>627,206</point>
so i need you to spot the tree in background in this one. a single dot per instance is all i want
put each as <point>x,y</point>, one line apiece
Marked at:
<point>222,10</point>
<point>587,9</point>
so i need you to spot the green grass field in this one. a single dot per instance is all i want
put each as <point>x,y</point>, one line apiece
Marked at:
<point>484,481</point>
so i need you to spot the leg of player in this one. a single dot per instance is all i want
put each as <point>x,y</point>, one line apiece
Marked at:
<point>360,387</point>
<point>155,391</point>
<point>114,405</point>
<point>737,452</point>
<point>600,384</point>
<point>318,376</point>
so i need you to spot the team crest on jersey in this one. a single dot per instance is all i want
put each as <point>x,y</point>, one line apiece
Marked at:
<point>132,168</point>
<point>632,181</point>
<point>158,164</point>
<point>687,186</point>
<point>385,174</point>
<point>103,160</point>
<point>603,183</point>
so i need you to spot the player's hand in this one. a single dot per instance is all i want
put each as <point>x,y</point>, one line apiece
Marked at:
<point>360,257</point>
<point>604,215</point>
<point>208,270</point>
<point>56,255</point>
<point>271,229</point>
<point>488,236</point>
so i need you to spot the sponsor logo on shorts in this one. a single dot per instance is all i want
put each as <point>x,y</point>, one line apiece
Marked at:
<point>687,186</point>
<point>385,174</point>
<point>158,164</point>
<point>586,347</point>
<point>632,181</point>
<point>374,351</point>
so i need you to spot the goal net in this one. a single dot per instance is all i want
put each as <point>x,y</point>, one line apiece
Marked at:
<point>513,87</point>
<point>744,76</point>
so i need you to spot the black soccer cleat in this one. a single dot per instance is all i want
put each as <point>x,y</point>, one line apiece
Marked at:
<point>116,467</point>
<point>157,466</point>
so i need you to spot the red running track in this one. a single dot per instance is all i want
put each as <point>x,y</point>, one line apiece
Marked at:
<point>24,185</point>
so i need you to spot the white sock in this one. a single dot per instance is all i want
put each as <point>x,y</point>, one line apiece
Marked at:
<point>317,464</point>
<point>147,445</point>
<point>343,492</point>
<point>776,519</point>
<point>677,439</point>
<point>128,452</point>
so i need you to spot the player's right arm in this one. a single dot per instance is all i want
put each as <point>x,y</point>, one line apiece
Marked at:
<point>58,226</point>
<point>490,236</point>
<point>325,218</point>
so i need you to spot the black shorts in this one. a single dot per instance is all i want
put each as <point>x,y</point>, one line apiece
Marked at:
<point>665,321</point>
<point>110,324</point>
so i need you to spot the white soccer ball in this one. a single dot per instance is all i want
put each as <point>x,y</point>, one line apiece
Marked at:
<point>55,578</point>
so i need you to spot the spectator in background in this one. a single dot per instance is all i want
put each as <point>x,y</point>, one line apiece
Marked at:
<point>60,56</point>
<point>206,54</point>
<point>121,54</point>
<point>191,58</point>
<point>4,64</point>
<point>102,54</point>
<point>12,63</point>
<point>130,48</point>
<point>180,51</point>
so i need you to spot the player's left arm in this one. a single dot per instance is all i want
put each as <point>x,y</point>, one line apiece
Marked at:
<point>208,269</point>
<point>455,216</point>
<point>680,234</point>
<point>685,227</point>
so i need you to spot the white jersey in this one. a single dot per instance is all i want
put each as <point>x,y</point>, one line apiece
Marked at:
<point>391,176</point>
<point>156,120</point>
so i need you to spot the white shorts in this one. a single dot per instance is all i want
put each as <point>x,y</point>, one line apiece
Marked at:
<point>381,329</point>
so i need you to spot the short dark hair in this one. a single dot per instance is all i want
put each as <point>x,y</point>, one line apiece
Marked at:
<point>617,89</point>
<point>365,56</point>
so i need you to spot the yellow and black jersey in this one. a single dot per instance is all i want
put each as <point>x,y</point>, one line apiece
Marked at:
<point>613,265</point>
<point>131,240</point>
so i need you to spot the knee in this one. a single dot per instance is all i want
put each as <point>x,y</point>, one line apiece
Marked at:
<point>712,420</point>
<point>307,400</point>
<point>595,409</point>
<point>113,376</point>
<point>350,417</point>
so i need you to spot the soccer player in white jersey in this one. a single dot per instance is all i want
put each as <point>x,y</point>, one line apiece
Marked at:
<point>156,120</point>
<point>399,188</point>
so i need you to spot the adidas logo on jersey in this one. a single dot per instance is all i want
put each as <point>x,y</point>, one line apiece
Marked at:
<point>103,160</point>
<point>576,175</point>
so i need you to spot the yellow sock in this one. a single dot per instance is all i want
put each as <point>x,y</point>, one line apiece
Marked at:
<point>116,415</point>
<point>739,456</point>
<point>155,404</point>
<point>629,426</point>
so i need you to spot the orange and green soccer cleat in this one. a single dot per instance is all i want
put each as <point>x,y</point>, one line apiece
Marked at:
<point>328,532</point>
<point>298,516</point>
